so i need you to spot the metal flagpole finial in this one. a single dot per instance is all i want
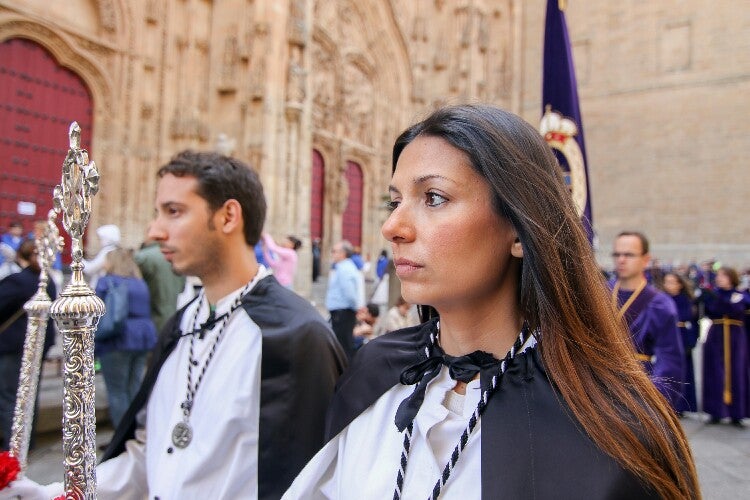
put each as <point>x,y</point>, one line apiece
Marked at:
<point>72,197</point>
<point>77,312</point>
<point>48,245</point>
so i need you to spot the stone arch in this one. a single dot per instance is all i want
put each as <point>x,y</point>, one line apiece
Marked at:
<point>65,52</point>
<point>317,195</point>
<point>372,191</point>
<point>332,187</point>
<point>365,58</point>
<point>352,217</point>
<point>326,81</point>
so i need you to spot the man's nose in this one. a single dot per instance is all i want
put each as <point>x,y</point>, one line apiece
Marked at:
<point>155,231</point>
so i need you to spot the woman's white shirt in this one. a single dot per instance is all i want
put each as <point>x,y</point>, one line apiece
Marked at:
<point>362,461</point>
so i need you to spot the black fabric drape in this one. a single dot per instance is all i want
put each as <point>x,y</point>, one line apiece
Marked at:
<point>300,363</point>
<point>532,447</point>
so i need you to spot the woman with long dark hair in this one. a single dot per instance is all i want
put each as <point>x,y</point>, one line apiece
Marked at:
<point>521,383</point>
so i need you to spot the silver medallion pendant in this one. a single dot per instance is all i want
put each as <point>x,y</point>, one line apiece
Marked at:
<point>182,434</point>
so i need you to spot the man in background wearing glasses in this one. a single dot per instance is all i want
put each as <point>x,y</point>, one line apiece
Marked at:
<point>650,314</point>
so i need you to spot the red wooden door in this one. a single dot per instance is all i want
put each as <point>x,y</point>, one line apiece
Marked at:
<point>38,101</point>
<point>352,221</point>
<point>316,199</point>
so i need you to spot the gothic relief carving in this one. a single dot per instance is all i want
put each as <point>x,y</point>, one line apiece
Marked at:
<point>185,122</point>
<point>202,54</point>
<point>296,76</point>
<point>419,32</point>
<point>483,33</point>
<point>297,27</point>
<point>463,15</point>
<point>192,57</point>
<point>352,30</point>
<point>442,54</point>
<point>418,93</point>
<point>108,15</point>
<point>145,139</point>
<point>347,13</point>
<point>341,189</point>
<point>153,11</point>
<point>324,88</point>
<point>97,49</point>
<point>255,157</point>
<point>229,61</point>
<point>258,62</point>
<point>188,125</point>
<point>358,104</point>
<point>324,13</point>
<point>497,59</point>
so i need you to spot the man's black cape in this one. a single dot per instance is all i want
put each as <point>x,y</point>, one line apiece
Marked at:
<point>532,446</point>
<point>300,363</point>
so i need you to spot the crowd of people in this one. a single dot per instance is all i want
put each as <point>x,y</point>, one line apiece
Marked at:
<point>523,376</point>
<point>663,308</point>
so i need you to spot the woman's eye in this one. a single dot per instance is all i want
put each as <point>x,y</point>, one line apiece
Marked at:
<point>434,199</point>
<point>391,205</point>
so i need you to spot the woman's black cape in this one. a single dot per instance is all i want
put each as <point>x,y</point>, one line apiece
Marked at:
<point>532,446</point>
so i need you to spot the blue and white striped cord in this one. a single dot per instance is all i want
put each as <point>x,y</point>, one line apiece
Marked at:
<point>463,441</point>
<point>401,476</point>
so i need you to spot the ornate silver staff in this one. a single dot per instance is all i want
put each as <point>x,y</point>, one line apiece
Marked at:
<point>77,312</point>
<point>48,244</point>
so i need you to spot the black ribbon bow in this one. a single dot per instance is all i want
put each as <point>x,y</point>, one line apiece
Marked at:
<point>208,325</point>
<point>462,368</point>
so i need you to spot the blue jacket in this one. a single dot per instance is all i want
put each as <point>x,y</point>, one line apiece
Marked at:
<point>140,332</point>
<point>15,290</point>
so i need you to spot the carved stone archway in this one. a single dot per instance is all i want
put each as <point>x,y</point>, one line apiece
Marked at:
<point>68,54</point>
<point>361,86</point>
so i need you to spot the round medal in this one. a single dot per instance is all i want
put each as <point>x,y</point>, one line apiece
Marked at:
<point>182,434</point>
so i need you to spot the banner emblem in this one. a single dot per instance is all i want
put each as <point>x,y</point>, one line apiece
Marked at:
<point>560,132</point>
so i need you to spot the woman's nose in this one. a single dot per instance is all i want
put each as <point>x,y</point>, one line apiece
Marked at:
<point>398,227</point>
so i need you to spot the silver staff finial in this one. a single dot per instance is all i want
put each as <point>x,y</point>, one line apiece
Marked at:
<point>72,197</point>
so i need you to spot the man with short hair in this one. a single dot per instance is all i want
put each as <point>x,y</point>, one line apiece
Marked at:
<point>650,314</point>
<point>343,294</point>
<point>233,404</point>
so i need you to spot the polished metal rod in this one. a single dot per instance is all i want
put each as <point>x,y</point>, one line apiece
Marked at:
<point>48,245</point>
<point>77,312</point>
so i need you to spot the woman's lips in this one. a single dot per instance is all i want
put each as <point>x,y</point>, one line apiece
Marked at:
<point>405,267</point>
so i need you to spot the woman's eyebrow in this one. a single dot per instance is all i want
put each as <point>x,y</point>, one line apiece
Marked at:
<point>421,180</point>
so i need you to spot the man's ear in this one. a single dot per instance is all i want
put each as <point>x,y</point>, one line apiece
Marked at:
<point>516,250</point>
<point>231,216</point>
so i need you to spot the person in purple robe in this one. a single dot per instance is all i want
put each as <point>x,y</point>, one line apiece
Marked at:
<point>650,314</point>
<point>678,288</point>
<point>725,353</point>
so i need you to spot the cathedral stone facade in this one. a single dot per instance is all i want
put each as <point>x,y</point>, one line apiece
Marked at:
<point>312,93</point>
